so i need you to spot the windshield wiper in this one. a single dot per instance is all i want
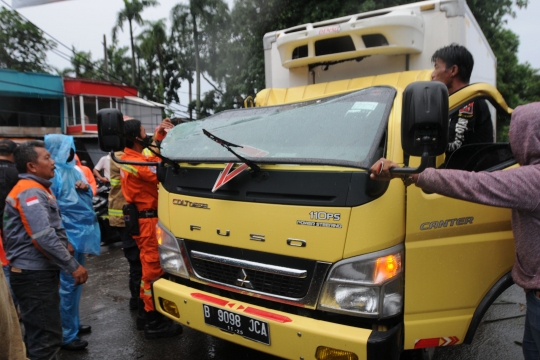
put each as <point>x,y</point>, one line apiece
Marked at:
<point>227,145</point>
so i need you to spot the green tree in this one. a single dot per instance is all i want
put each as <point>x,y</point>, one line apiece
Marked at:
<point>208,104</point>
<point>205,19</point>
<point>518,83</point>
<point>82,66</point>
<point>24,48</point>
<point>119,62</point>
<point>242,69</point>
<point>152,43</point>
<point>131,13</point>
<point>183,48</point>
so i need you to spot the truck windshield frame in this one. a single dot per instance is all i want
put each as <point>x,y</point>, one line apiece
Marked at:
<point>343,130</point>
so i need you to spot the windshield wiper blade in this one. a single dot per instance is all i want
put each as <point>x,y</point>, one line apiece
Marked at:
<point>227,145</point>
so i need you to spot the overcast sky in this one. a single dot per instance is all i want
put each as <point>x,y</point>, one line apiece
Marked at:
<point>82,23</point>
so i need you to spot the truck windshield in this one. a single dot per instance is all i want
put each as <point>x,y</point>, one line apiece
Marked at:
<point>344,130</point>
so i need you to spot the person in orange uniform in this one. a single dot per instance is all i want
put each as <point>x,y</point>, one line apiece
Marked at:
<point>88,175</point>
<point>139,186</point>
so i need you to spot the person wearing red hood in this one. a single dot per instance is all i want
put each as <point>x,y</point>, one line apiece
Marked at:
<point>517,189</point>
<point>85,170</point>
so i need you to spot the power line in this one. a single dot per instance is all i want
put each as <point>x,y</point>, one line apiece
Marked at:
<point>178,111</point>
<point>88,62</point>
<point>187,107</point>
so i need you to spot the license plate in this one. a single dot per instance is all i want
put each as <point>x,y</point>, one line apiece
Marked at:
<point>242,325</point>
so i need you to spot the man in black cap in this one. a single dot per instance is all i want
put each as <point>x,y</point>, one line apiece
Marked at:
<point>8,172</point>
<point>11,344</point>
<point>8,178</point>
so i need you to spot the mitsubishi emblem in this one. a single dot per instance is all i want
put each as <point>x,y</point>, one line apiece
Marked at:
<point>242,280</point>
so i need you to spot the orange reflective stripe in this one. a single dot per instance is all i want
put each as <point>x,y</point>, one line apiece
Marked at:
<point>130,169</point>
<point>23,185</point>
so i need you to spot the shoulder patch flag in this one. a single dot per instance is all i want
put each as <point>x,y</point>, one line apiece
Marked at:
<point>467,109</point>
<point>32,201</point>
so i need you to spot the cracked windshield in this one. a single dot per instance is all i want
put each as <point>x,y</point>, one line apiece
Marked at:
<point>343,130</point>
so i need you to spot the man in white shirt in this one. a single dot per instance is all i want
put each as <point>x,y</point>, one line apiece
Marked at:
<point>103,164</point>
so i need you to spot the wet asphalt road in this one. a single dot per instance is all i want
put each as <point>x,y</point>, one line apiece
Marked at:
<point>104,306</point>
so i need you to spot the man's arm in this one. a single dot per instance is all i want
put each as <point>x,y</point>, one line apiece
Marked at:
<point>516,188</point>
<point>148,173</point>
<point>100,166</point>
<point>97,174</point>
<point>81,185</point>
<point>162,129</point>
<point>80,275</point>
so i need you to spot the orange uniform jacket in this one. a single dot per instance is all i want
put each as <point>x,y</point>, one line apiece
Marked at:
<point>139,186</point>
<point>139,183</point>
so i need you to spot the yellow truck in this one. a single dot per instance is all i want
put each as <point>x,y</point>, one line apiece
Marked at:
<point>273,236</point>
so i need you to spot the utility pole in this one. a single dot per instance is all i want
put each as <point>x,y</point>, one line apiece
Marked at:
<point>106,58</point>
<point>191,110</point>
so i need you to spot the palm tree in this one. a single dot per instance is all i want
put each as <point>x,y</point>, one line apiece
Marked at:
<point>82,66</point>
<point>119,62</point>
<point>202,18</point>
<point>152,43</point>
<point>131,12</point>
<point>183,53</point>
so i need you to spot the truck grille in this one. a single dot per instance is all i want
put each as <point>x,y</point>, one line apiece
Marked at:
<point>273,284</point>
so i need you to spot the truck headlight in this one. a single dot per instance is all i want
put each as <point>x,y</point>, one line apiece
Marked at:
<point>170,256</point>
<point>368,285</point>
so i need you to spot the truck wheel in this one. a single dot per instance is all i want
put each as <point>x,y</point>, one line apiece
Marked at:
<point>417,354</point>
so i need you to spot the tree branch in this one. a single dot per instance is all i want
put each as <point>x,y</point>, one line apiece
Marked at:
<point>214,86</point>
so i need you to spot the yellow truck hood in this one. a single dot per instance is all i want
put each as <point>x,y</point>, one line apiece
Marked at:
<point>271,228</point>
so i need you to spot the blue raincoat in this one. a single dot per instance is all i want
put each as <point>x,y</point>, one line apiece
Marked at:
<point>78,214</point>
<point>80,222</point>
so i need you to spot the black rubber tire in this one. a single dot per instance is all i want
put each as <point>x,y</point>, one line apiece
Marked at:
<point>417,354</point>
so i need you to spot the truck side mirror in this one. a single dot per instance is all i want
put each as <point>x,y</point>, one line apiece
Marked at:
<point>424,122</point>
<point>110,124</point>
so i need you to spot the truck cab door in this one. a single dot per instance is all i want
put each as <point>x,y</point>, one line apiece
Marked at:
<point>455,250</point>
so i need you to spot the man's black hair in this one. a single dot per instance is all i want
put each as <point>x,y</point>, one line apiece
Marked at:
<point>25,153</point>
<point>458,55</point>
<point>132,129</point>
<point>7,147</point>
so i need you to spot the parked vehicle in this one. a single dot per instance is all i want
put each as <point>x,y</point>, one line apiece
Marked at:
<point>295,251</point>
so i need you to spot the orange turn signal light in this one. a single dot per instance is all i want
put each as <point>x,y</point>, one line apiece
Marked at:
<point>170,307</point>
<point>159,234</point>
<point>326,353</point>
<point>386,267</point>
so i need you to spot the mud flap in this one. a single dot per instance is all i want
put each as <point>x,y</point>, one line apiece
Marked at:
<point>385,344</point>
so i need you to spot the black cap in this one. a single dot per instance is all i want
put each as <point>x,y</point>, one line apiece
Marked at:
<point>7,146</point>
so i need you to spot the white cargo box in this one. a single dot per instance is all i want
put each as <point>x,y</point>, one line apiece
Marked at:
<point>389,40</point>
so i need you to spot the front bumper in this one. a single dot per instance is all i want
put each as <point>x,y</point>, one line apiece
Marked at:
<point>291,336</point>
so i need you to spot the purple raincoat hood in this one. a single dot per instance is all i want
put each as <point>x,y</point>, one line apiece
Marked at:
<point>525,134</point>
